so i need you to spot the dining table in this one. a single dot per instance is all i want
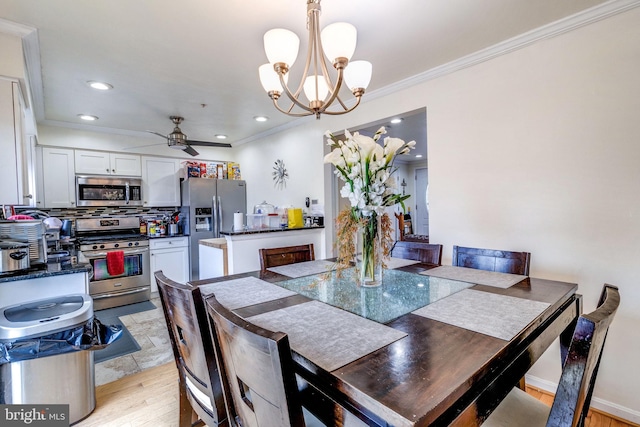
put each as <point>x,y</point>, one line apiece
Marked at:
<point>430,346</point>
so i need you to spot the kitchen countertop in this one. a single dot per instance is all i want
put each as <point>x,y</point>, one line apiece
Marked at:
<point>268,230</point>
<point>47,270</point>
<point>219,243</point>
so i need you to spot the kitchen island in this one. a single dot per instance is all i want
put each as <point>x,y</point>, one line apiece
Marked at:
<point>242,248</point>
<point>44,281</point>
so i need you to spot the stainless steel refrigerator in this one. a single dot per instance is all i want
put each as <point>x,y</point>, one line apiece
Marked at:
<point>208,206</point>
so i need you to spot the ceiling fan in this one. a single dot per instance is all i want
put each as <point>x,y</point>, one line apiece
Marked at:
<point>179,141</point>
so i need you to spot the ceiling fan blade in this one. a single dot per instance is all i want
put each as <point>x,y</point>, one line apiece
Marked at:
<point>209,144</point>
<point>156,133</point>
<point>141,146</point>
<point>191,151</point>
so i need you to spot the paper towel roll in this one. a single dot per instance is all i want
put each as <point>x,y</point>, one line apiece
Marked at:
<point>238,221</point>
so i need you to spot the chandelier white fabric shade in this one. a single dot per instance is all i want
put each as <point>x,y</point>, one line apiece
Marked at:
<point>337,44</point>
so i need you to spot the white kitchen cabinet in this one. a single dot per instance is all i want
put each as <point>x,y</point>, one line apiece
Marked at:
<point>171,255</point>
<point>104,163</point>
<point>58,178</point>
<point>160,181</point>
<point>12,144</point>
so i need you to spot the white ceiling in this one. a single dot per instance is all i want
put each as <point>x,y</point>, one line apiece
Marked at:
<point>199,59</point>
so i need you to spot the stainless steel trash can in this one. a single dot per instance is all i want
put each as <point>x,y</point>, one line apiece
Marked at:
<point>67,378</point>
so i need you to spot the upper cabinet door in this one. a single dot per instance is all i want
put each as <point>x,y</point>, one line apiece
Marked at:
<point>125,164</point>
<point>58,178</point>
<point>10,144</point>
<point>92,162</point>
<point>160,181</point>
<point>103,163</point>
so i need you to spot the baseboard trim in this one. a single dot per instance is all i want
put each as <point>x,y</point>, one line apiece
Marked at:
<point>617,411</point>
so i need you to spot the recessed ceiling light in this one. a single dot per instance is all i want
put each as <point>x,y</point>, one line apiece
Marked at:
<point>396,121</point>
<point>87,117</point>
<point>221,136</point>
<point>261,118</point>
<point>418,155</point>
<point>99,85</point>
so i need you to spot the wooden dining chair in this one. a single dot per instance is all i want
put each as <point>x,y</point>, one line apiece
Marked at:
<point>492,260</point>
<point>274,257</point>
<point>259,370</point>
<point>200,381</point>
<point>424,252</point>
<point>580,367</point>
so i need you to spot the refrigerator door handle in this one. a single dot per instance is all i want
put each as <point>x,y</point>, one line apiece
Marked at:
<point>215,216</point>
<point>219,215</point>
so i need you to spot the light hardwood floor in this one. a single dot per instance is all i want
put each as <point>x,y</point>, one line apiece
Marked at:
<point>150,399</point>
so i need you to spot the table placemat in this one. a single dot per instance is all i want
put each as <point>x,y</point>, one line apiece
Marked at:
<point>393,263</point>
<point>499,316</point>
<point>326,335</point>
<point>306,268</point>
<point>472,275</point>
<point>243,292</point>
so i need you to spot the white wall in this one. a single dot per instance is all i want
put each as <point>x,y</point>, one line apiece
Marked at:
<point>11,62</point>
<point>536,150</point>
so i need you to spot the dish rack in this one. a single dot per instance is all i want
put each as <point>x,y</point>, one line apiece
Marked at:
<point>30,232</point>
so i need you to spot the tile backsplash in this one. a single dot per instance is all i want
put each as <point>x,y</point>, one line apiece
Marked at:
<point>72,213</point>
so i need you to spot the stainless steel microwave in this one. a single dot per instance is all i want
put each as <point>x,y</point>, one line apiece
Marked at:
<point>108,191</point>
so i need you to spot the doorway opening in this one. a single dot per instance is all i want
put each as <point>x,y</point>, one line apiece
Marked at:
<point>413,126</point>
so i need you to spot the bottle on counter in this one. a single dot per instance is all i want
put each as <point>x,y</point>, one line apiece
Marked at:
<point>151,228</point>
<point>143,226</point>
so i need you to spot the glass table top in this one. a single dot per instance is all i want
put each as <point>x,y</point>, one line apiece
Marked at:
<point>399,294</point>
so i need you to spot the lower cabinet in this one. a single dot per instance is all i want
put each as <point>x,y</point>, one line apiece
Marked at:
<point>171,255</point>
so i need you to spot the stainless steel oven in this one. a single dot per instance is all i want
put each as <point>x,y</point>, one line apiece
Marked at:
<point>108,191</point>
<point>98,237</point>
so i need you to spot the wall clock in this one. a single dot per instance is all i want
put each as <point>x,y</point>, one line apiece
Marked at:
<point>280,174</point>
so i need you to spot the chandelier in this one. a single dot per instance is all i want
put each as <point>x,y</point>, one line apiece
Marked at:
<point>337,42</point>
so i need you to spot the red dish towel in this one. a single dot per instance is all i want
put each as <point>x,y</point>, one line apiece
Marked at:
<point>115,263</point>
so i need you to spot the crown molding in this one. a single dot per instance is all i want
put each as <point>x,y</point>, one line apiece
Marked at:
<point>15,29</point>
<point>562,26</point>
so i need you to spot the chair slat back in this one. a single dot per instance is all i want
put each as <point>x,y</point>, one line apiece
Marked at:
<point>259,370</point>
<point>274,257</point>
<point>492,260</point>
<point>424,252</point>
<point>573,397</point>
<point>193,349</point>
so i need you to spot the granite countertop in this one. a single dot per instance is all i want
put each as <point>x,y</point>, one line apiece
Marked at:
<point>268,230</point>
<point>46,270</point>
<point>166,236</point>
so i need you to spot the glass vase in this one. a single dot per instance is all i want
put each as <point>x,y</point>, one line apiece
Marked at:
<point>369,259</point>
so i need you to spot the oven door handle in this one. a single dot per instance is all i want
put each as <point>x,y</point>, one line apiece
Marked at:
<point>117,294</point>
<point>92,255</point>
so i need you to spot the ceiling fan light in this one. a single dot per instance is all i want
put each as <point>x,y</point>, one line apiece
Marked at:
<point>178,146</point>
<point>281,45</point>
<point>310,88</point>
<point>357,75</point>
<point>269,78</point>
<point>339,40</point>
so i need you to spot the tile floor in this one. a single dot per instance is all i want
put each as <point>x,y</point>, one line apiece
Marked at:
<point>150,331</point>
